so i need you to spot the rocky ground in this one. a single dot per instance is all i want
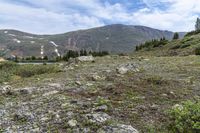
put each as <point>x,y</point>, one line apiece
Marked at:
<point>110,94</point>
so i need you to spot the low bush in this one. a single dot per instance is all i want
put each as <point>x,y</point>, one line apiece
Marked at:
<point>197,51</point>
<point>176,47</point>
<point>193,33</point>
<point>31,70</point>
<point>9,69</point>
<point>185,45</point>
<point>185,118</point>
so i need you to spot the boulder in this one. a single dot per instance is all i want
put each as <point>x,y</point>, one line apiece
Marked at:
<point>85,58</point>
<point>124,68</point>
<point>6,90</point>
<point>119,128</point>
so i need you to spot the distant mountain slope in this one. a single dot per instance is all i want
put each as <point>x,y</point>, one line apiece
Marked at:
<point>113,38</point>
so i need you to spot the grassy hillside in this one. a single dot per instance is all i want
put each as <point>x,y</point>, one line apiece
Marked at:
<point>189,45</point>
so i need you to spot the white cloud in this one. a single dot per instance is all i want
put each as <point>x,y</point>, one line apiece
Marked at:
<point>179,16</point>
<point>57,16</point>
<point>40,20</point>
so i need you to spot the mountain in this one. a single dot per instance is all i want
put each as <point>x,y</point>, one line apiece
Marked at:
<point>115,38</point>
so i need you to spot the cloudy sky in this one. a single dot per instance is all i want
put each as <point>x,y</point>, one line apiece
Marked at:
<point>58,16</point>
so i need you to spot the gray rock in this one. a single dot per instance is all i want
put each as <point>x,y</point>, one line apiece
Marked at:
<point>6,90</point>
<point>85,58</point>
<point>98,117</point>
<point>119,128</point>
<point>27,90</point>
<point>123,69</point>
<point>96,77</point>
<point>101,108</point>
<point>72,123</point>
<point>78,83</point>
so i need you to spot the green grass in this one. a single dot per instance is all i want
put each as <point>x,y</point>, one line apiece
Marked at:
<point>10,70</point>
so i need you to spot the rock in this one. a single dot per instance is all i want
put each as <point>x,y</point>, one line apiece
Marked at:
<point>50,93</point>
<point>164,95</point>
<point>96,77</point>
<point>123,69</point>
<point>177,106</point>
<point>146,59</point>
<point>56,85</point>
<point>6,90</point>
<point>101,108</point>
<point>85,58</point>
<point>27,90</point>
<point>72,123</point>
<point>78,83</point>
<point>89,84</point>
<point>98,117</point>
<point>119,128</point>
<point>154,107</point>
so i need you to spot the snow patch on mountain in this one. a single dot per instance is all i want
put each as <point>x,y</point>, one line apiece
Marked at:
<point>12,35</point>
<point>16,40</point>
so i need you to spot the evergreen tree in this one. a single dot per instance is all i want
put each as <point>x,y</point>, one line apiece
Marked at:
<point>81,53</point>
<point>176,36</point>
<point>33,58</point>
<point>197,25</point>
<point>45,57</point>
<point>16,59</point>
<point>85,53</point>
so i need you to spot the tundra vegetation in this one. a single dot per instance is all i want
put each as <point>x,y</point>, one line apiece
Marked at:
<point>155,89</point>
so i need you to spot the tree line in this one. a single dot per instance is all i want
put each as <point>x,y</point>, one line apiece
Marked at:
<point>69,54</point>
<point>152,44</point>
<point>74,54</point>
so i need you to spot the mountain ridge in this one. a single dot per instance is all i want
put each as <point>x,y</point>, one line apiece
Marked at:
<point>116,38</point>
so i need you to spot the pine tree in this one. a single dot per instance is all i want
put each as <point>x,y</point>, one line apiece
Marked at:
<point>81,53</point>
<point>45,57</point>
<point>85,53</point>
<point>197,26</point>
<point>176,36</point>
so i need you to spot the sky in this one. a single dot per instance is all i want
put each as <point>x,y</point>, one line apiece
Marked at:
<point>60,16</point>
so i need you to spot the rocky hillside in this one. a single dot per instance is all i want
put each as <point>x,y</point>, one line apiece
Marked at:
<point>113,38</point>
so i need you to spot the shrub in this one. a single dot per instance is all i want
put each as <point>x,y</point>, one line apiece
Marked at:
<point>185,118</point>
<point>176,47</point>
<point>6,71</point>
<point>7,65</point>
<point>197,51</point>
<point>185,45</point>
<point>193,33</point>
<point>9,69</point>
<point>31,70</point>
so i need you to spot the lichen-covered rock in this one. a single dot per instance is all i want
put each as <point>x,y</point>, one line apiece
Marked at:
<point>101,108</point>
<point>6,90</point>
<point>119,128</point>
<point>98,117</point>
<point>123,69</point>
<point>72,123</point>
